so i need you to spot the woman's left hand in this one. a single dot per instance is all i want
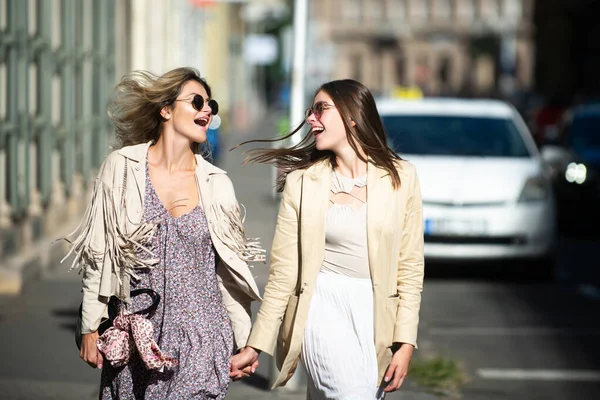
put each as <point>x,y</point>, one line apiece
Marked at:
<point>396,372</point>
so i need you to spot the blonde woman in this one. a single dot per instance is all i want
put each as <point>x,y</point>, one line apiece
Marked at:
<point>346,272</point>
<point>163,218</point>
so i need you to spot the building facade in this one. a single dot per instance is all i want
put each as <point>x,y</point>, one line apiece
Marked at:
<point>470,47</point>
<point>59,62</point>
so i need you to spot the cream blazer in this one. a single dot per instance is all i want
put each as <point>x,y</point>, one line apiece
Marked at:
<point>108,237</point>
<point>395,245</point>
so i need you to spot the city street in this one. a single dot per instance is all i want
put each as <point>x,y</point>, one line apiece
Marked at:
<point>516,338</point>
<point>496,103</point>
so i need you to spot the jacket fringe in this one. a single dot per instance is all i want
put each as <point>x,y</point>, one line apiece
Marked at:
<point>231,233</point>
<point>122,248</point>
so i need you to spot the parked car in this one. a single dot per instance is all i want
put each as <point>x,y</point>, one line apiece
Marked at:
<point>486,191</point>
<point>574,156</point>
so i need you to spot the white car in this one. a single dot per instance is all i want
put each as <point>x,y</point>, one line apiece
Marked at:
<point>486,191</point>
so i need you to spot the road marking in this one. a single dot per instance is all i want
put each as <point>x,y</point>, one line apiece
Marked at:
<point>540,374</point>
<point>522,331</point>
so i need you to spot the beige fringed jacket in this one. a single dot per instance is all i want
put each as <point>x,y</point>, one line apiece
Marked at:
<point>111,233</point>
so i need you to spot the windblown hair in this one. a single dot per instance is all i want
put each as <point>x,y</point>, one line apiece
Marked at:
<point>355,103</point>
<point>138,99</point>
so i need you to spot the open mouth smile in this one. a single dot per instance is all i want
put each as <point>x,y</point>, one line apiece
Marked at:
<point>316,130</point>
<point>202,121</point>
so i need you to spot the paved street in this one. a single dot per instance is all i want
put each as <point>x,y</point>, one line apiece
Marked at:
<point>516,338</point>
<point>501,330</point>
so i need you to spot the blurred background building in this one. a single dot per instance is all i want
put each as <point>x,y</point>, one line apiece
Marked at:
<point>473,47</point>
<point>60,59</point>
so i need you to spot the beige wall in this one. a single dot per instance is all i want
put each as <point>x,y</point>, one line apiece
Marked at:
<point>355,27</point>
<point>166,34</point>
<point>217,65</point>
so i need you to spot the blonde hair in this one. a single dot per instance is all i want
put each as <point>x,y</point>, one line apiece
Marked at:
<point>138,99</point>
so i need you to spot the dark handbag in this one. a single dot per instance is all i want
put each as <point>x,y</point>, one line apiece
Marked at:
<point>114,305</point>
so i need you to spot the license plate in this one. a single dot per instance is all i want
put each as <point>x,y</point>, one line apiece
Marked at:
<point>455,227</point>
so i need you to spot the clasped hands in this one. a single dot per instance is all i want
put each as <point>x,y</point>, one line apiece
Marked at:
<point>244,363</point>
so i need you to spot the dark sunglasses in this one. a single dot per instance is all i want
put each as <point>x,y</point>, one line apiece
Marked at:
<point>317,109</point>
<point>198,104</point>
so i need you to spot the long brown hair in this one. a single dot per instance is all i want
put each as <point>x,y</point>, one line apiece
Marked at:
<point>354,102</point>
<point>138,99</point>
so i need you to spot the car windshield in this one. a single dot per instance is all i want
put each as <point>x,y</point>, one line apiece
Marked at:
<point>585,133</point>
<point>454,136</point>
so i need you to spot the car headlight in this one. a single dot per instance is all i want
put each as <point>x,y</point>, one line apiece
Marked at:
<point>536,188</point>
<point>576,173</point>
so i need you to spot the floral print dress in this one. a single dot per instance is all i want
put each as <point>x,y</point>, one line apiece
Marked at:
<point>191,322</point>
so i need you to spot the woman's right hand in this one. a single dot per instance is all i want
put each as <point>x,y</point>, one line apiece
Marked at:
<point>89,350</point>
<point>244,363</point>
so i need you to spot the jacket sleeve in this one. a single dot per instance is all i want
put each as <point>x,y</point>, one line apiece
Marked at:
<point>89,249</point>
<point>410,266</point>
<point>283,273</point>
<point>230,230</point>
<point>237,303</point>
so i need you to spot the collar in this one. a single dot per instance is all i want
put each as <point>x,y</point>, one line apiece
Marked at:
<point>318,169</point>
<point>138,152</point>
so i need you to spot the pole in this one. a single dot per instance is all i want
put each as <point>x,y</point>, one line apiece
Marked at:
<point>296,111</point>
<point>298,66</point>
<point>298,381</point>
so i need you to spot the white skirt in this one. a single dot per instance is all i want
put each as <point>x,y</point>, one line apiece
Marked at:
<point>338,349</point>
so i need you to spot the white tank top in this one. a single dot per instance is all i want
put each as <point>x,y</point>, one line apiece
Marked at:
<point>346,251</point>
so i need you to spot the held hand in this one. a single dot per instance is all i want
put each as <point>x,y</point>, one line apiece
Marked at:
<point>398,368</point>
<point>244,363</point>
<point>89,350</point>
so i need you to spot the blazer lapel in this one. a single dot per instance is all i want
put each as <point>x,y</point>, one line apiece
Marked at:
<point>377,195</point>
<point>316,185</point>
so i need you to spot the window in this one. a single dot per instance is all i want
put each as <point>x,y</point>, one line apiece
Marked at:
<point>465,10</point>
<point>442,10</point>
<point>356,67</point>
<point>455,136</point>
<point>490,10</point>
<point>396,10</point>
<point>418,10</point>
<point>351,10</point>
<point>585,136</point>
<point>512,10</point>
<point>373,10</point>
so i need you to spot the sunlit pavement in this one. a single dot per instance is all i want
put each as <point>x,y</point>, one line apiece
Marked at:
<point>519,338</point>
